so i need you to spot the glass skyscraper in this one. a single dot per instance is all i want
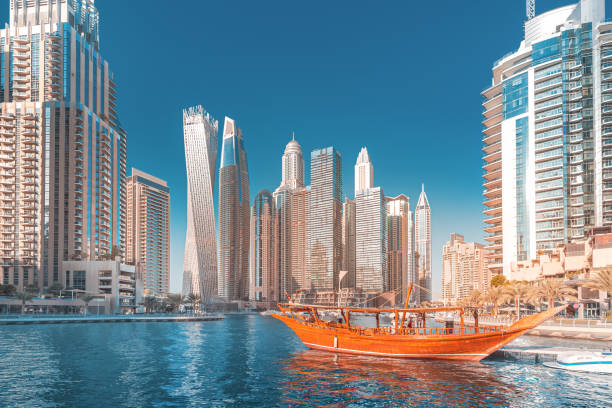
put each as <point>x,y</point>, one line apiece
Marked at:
<point>62,147</point>
<point>547,143</point>
<point>422,242</point>
<point>234,216</point>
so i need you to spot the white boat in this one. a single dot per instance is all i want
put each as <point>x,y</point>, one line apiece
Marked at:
<point>586,361</point>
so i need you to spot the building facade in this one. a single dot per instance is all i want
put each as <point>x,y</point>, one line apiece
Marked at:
<point>200,132</point>
<point>400,245</point>
<point>348,244</point>
<point>422,241</point>
<point>464,269</point>
<point>263,264</point>
<point>234,216</point>
<point>324,220</point>
<point>546,136</point>
<point>147,240</point>
<point>370,229</point>
<point>119,282</point>
<point>62,147</point>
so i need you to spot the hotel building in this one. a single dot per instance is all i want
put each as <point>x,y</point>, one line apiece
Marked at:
<point>62,147</point>
<point>263,263</point>
<point>234,216</point>
<point>324,220</point>
<point>200,132</point>
<point>147,240</point>
<point>371,272</point>
<point>422,241</point>
<point>547,138</point>
<point>400,244</point>
<point>464,269</point>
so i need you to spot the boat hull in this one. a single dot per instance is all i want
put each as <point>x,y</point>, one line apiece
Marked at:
<point>473,347</point>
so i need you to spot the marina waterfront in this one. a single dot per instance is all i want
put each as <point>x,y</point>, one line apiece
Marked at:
<point>250,360</point>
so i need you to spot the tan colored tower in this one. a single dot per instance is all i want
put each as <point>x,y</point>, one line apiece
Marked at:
<point>263,262</point>
<point>62,148</point>
<point>400,247</point>
<point>464,268</point>
<point>148,230</point>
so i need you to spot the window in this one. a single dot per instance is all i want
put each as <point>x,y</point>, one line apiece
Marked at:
<point>78,280</point>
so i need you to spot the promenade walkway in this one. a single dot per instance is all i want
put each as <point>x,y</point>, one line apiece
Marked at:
<point>63,319</point>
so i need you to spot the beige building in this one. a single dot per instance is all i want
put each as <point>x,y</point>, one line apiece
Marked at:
<point>62,148</point>
<point>147,240</point>
<point>464,269</point>
<point>119,282</point>
<point>263,260</point>
<point>400,245</point>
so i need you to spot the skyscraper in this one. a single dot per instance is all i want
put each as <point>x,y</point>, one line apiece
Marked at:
<point>546,150</point>
<point>62,147</point>
<point>370,229</point>
<point>324,220</point>
<point>400,246</point>
<point>234,215</point>
<point>263,264</point>
<point>200,132</point>
<point>364,171</point>
<point>422,240</point>
<point>293,165</point>
<point>348,243</point>
<point>290,203</point>
<point>464,269</point>
<point>148,230</point>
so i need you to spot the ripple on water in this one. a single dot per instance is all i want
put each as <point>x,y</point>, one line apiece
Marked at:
<point>255,361</point>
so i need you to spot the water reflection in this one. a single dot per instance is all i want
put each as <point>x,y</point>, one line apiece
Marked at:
<point>332,379</point>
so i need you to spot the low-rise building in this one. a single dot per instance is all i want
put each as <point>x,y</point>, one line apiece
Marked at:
<point>121,282</point>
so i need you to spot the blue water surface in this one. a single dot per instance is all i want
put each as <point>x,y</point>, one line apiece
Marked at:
<point>255,361</point>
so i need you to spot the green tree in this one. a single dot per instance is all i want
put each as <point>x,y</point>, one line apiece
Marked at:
<point>7,290</point>
<point>194,300</point>
<point>515,293</point>
<point>150,303</point>
<point>553,289</point>
<point>32,289</point>
<point>494,296</point>
<point>602,280</point>
<point>498,280</point>
<point>55,288</point>
<point>25,297</point>
<point>175,300</point>
<point>87,299</point>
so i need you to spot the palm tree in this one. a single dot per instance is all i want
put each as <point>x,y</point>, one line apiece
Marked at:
<point>474,301</point>
<point>25,297</point>
<point>86,299</point>
<point>553,289</point>
<point>194,299</point>
<point>175,300</point>
<point>149,303</point>
<point>55,288</point>
<point>602,281</point>
<point>515,292</point>
<point>494,296</point>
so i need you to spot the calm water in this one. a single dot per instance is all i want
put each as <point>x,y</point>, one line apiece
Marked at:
<point>255,361</point>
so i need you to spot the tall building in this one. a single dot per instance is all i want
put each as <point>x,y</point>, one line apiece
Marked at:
<point>290,203</point>
<point>324,220</point>
<point>62,147</point>
<point>263,264</point>
<point>293,165</point>
<point>348,244</point>
<point>147,240</point>
<point>548,175</point>
<point>464,269</point>
<point>400,245</point>
<point>422,241</point>
<point>200,132</point>
<point>370,229</point>
<point>364,172</point>
<point>234,215</point>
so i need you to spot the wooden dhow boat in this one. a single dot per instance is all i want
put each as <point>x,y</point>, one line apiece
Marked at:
<point>403,339</point>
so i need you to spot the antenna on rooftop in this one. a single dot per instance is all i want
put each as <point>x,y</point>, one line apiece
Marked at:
<point>530,9</point>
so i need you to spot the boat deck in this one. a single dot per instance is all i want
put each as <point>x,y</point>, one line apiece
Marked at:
<point>535,354</point>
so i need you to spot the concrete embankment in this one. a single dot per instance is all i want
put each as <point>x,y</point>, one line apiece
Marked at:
<point>105,319</point>
<point>536,354</point>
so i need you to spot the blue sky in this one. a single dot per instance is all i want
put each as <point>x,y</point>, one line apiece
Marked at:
<point>400,77</point>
